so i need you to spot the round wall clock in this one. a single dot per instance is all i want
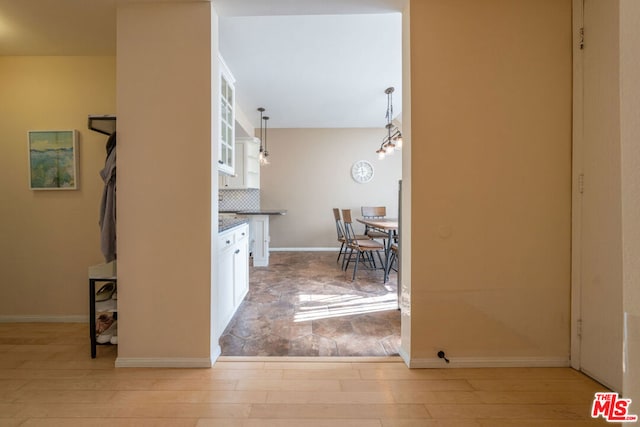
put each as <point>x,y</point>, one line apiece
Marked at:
<point>362,171</point>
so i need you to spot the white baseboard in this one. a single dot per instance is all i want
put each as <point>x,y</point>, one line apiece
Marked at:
<point>489,362</point>
<point>162,362</point>
<point>314,359</point>
<point>321,249</point>
<point>80,318</point>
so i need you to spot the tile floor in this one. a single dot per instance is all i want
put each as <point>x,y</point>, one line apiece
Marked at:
<point>303,304</point>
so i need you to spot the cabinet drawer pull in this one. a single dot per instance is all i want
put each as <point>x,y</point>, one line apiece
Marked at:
<point>220,161</point>
<point>243,234</point>
<point>237,251</point>
<point>228,241</point>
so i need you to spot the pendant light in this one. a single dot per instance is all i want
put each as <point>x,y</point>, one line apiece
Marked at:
<point>263,140</point>
<point>266,153</point>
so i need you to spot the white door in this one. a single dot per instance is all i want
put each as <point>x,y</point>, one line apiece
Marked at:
<point>600,302</point>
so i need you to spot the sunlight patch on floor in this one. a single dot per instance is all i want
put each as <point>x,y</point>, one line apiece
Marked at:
<point>343,305</point>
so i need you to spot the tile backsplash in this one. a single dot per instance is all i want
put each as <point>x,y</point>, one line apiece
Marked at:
<point>236,200</point>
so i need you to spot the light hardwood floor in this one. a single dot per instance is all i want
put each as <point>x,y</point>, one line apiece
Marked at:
<point>47,378</point>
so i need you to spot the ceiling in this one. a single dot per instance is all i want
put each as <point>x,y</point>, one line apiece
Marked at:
<point>310,63</point>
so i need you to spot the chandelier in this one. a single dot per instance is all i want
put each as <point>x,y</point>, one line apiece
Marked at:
<point>393,139</point>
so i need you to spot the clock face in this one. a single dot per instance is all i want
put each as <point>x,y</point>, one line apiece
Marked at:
<point>362,171</point>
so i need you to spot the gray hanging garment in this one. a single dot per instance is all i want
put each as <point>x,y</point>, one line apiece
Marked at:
<point>108,203</point>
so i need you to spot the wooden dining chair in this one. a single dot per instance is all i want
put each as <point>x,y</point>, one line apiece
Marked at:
<point>393,258</point>
<point>363,248</point>
<point>341,234</point>
<point>374,212</point>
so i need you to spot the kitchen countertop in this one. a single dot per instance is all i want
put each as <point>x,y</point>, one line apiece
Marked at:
<point>258,212</point>
<point>225,224</point>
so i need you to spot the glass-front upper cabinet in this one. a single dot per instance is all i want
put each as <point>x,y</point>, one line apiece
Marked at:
<point>226,140</point>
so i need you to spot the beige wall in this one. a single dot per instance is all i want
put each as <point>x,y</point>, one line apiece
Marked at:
<point>630,155</point>
<point>491,163</point>
<point>164,183</point>
<point>310,174</point>
<point>49,238</point>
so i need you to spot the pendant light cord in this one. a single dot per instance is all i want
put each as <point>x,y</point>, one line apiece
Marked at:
<point>261,136</point>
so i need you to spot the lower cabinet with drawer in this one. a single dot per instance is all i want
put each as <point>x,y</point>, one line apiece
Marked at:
<point>233,273</point>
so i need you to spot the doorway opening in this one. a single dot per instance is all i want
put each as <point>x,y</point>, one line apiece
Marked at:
<point>303,303</point>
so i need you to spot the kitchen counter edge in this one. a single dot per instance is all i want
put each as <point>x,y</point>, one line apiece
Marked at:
<point>257,212</point>
<point>225,224</point>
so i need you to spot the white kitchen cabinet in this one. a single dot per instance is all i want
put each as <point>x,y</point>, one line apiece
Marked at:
<point>247,166</point>
<point>233,273</point>
<point>225,287</point>
<point>241,270</point>
<point>259,232</point>
<point>226,121</point>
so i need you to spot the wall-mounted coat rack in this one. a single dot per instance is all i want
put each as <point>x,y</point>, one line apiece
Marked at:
<point>105,124</point>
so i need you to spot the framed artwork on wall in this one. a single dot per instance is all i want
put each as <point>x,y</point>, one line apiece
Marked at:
<point>53,160</point>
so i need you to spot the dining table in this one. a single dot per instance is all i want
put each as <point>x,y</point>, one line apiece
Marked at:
<point>390,226</point>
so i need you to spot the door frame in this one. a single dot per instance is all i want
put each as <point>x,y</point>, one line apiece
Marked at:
<point>577,166</point>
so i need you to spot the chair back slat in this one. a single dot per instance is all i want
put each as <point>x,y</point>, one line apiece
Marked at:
<point>346,215</point>
<point>374,211</point>
<point>339,227</point>
<point>350,235</point>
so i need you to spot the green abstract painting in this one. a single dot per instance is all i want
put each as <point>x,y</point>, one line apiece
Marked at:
<point>53,160</point>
